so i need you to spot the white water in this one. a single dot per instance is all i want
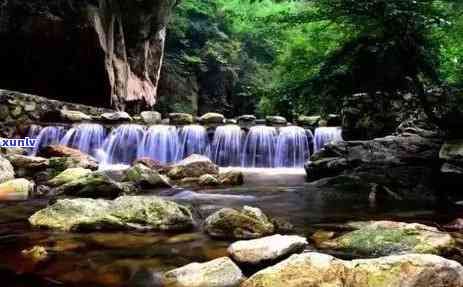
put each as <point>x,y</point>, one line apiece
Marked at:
<point>259,147</point>
<point>161,143</point>
<point>225,149</point>
<point>326,135</point>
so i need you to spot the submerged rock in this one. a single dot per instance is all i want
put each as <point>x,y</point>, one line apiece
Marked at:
<point>146,177</point>
<point>126,212</point>
<point>247,223</point>
<point>233,177</point>
<point>69,175</point>
<point>6,170</point>
<point>321,270</point>
<point>220,272</point>
<point>266,249</point>
<point>180,119</point>
<point>193,166</point>
<point>387,237</point>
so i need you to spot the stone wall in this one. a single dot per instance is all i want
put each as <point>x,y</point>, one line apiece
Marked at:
<point>19,110</point>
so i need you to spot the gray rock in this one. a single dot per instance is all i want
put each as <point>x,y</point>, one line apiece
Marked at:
<point>452,151</point>
<point>74,116</point>
<point>180,119</point>
<point>220,272</point>
<point>212,119</point>
<point>276,121</point>
<point>116,117</point>
<point>146,177</point>
<point>151,117</point>
<point>266,249</point>
<point>6,170</point>
<point>193,166</point>
<point>126,212</point>
<point>208,180</point>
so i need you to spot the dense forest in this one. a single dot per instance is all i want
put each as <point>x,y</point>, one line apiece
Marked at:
<point>301,57</point>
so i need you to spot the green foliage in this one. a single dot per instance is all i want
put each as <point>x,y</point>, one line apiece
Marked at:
<point>295,57</point>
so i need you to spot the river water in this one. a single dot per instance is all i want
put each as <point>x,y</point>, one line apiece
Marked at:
<point>136,259</point>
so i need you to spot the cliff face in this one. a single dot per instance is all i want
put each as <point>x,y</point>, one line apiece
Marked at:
<point>98,52</point>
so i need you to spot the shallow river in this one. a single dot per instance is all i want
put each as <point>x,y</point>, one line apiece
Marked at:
<point>136,259</point>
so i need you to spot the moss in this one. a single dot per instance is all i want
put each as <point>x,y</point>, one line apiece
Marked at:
<point>381,241</point>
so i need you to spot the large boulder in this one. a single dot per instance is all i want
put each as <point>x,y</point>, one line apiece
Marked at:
<point>406,164</point>
<point>20,186</point>
<point>388,237</point>
<point>6,170</point>
<point>269,248</point>
<point>95,185</point>
<point>247,223</point>
<point>180,119</point>
<point>27,165</point>
<point>82,159</point>
<point>126,212</point>
<point>69,175</point>
<point>220,272</point>
<point>146,177</point>
<point>321,270</point>
<point>193,166</point>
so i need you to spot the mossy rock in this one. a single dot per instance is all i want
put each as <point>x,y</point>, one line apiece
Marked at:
<point>69,175</point>
<point>20,186</point>
<point>126,212</point>
<point>146,177</point>
<point>180,119</point>
<point>247,223</point>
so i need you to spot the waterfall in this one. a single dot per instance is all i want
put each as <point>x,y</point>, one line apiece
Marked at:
<point>193,140</point>
<point>48,136</point>
<point>225,149</point>
<point>33,131</point>
<point>160,143</point>
<point>259,147</point>
<point>325,135</point>
<point>85,137</point>
<point>292,148</point>
<point>121,146</point>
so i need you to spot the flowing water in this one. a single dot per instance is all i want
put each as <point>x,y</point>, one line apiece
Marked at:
<point>292,148</point>
<point>193,140</point>
<point>121,146</point>
<point>114,259</point>
<point>225,149</point>
<point>85,137</point>
<point>326,135</point>
<point>48,136</point>
<point>259,147</point>
<point>161,143</point>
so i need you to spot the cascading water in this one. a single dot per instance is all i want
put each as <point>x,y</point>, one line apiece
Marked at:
<point>193,140</point>
<point>292,148</point>
<point>33,131</point>
<point>325,135</point>
<point>259,147</point>
<point>85,137</point>
<point>225,149</point>
<point>121,146</point>
<point>161,143</point>
<point>48,136</point>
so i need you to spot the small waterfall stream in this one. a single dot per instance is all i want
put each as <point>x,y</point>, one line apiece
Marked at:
<point>259,147</point>
<point>85,137</point>
<point>193,140</point>
<point>161,143</point>
<point>325,135</point>
<point>292,148</point>
<point>121,146</point>
<point>48,136</point>
<point>225,149</point>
